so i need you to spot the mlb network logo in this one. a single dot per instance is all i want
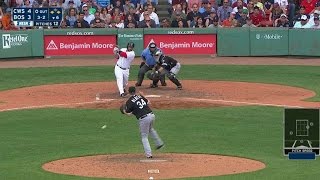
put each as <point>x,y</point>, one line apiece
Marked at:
<point>9,40</point>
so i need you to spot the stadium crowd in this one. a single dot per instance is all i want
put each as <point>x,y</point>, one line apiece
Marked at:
<point>181,13</point>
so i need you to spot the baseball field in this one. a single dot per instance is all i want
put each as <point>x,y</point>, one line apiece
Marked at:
<point>232,110</point>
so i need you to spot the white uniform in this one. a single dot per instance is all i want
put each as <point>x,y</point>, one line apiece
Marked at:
<point>122,67</point>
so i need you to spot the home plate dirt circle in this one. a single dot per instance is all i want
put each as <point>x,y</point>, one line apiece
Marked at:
<point>163,166</point>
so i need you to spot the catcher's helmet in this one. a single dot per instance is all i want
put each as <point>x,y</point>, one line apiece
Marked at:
<point>158,52</point>
<point>130,44</point>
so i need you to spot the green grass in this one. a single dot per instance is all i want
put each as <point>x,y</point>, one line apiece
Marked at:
<point>300,76</point>
<point>30,138</point>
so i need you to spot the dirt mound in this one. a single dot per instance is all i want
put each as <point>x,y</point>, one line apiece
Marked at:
<point>163,166</point>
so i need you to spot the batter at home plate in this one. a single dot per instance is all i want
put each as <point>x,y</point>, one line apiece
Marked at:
<point>124,57</point>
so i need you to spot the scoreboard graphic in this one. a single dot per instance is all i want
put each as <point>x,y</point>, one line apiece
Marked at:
<point>28,17</point>
<point>301,131</point>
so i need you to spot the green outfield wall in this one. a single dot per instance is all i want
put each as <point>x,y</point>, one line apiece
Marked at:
<point>211,41</point>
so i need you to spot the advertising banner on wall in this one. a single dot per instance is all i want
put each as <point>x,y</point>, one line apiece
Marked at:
<point>79,45</point>
<point>184,43</point>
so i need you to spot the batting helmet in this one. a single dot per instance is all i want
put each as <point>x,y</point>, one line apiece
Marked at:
<point>130,44</point>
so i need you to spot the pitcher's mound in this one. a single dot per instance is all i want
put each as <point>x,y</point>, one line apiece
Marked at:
<point>163,166</point>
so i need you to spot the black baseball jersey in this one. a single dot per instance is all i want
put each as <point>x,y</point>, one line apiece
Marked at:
<point>138,105</point>
<point>167,62</point>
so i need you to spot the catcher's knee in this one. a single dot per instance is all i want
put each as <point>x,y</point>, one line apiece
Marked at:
<point>171,76</point>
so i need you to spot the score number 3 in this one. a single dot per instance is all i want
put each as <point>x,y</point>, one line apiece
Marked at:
<point>141,104</point>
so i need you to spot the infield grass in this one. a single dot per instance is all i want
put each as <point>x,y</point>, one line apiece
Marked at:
<point>30,138</point>
<point>299,76</point>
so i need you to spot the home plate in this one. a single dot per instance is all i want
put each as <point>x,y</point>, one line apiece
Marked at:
<point>155,96</point>
<point>152,160</point>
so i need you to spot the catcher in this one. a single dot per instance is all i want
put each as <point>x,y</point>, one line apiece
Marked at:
<point>138,105</point>
<point>166,66</point>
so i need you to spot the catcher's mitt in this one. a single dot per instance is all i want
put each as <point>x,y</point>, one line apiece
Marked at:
<point>153,75</point>
<point>122,108</point>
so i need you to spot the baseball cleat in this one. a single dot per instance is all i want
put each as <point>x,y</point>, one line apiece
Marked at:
<point>149,157</point>
<point>179,87</point>
<point>137,84</point>
<point>159,147</point>
<point>123,95</point>
<point>164,84</point>
<point>153,85</point>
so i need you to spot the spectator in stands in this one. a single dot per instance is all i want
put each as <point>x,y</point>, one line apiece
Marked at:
<point>178,10</point>
<point>308,5</point>
<point>250,7</point>
<point>87,16</point>
<point>258,4</point>
<point>283,4</point>
<point>127,6</point>
<point>239,6</point>
<point>249,23</point>
<point>116,12</point>
<point>316,7</point>
<point>119,22</point>
<point>283,21</point>
<point>147,22</point>
<point>118,4</point>
<point>64,24</point>
<point>105,16</point>
<point>216,23</point>
<point>77,3</point>
<point>6,18</point>
<point>302,11</point>
<point>97,22</point>
<point>44,4</point>
<point>191,3</point>
<point>316,24</point>
<point>133,13</point>
<point>229,22</point>
<point>256,16</point>
<point>224,10</point>
<point>206,13</point>
<point>303,23</point>
<point>192,14</point>
<point>81,23</point>
<point>3,5</point>
<point>165,23</point>
<point>199,23</point>
<point>267,7</point>
<point>70,5</point>
<point>27,4</point>
<point>173,4</point>
<point>242,20</point>
<point>136,4</point>
<point>151,14</point>
<point>178,18</point>
<point>130,21</point>
<point>112,24</point>
<point>185,8</point>
<point>234,3</point>
<point>275,13</point>
<point>71,17</point>
<point>210,19</point>
<point>153,4</point>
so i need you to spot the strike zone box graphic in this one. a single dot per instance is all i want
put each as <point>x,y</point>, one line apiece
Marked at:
<point>301,131</point>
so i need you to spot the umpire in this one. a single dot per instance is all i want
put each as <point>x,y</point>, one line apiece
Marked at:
<point>148,63</point>
<point>138,105</point>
